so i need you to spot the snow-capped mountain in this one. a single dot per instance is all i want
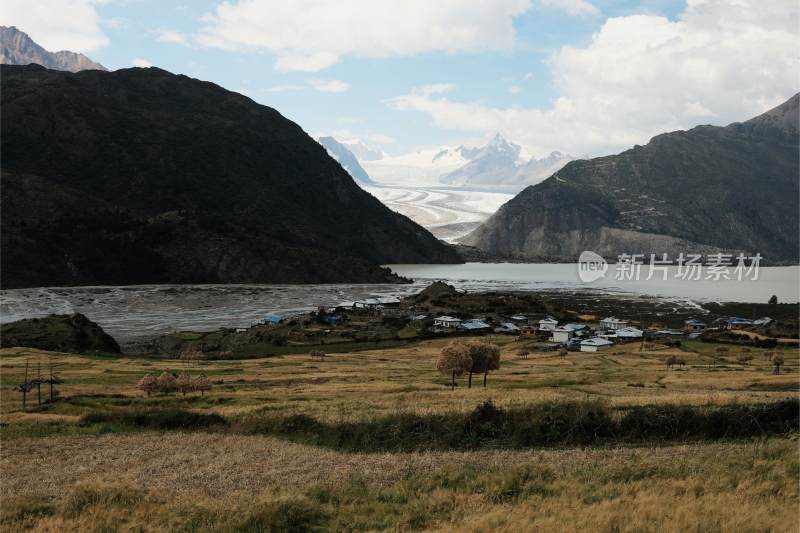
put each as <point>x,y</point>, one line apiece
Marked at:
<point>491,164</point>
<point>345,157</point>
<point>419,168</point>
<point>362,151</point>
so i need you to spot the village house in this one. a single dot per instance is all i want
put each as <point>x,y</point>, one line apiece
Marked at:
<point>562,335</point>
<point>627,334</point>
<point>508,328</point>
<point>693,326</point>
<point>519,319</point>
<point>595,344</point>
<point>446,322</point>
<point>475,325</point>
<point>548,324</point>
<point>611,323</point>
<point>736,323</point>
<point>763,321</point>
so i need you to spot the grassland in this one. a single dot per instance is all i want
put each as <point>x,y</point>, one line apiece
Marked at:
<point>62,473</point>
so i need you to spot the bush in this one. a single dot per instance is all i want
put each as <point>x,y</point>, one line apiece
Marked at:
<point>159,419</point>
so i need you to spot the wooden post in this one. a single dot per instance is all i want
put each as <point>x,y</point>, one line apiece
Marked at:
<point>25,388</point>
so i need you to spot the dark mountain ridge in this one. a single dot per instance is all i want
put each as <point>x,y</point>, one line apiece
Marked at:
<point>732,188</point>
<point>142,176</point>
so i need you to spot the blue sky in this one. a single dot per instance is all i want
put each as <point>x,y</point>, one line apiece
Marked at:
<point>538,71</point>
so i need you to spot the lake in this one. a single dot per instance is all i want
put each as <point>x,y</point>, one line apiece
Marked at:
<point>134,314</point>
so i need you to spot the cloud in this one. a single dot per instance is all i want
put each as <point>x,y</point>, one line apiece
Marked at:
<point>311,35</point>
<point>285,88</point>
<point>514,89</point>
<point>141,63</point>
<point>56,24</point>
<point>380,138</point>
<point>166,35</point>
<point>332,86</point>
<point>642,75</point>
<point>572,7</point>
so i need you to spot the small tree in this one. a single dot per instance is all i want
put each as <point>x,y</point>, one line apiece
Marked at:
<point>744,358</point>
<point>523,354</point>
<point>562,352</point>
<point>202,383</point>
<point>184,383</point>
<point>454,360</point>
<point>777,360</point>
<point>318,354</point>
<point>485,358</point>
<point>166,382</point>
<point>148,384</point>
<point>773,300</point>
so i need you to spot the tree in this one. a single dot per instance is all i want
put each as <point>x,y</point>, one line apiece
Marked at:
<point>184,383</point>
<point>485,358</point>
<point>202,383</point>
<point>777,360</point>
<point>523,354</point>
<point>454,360</point>
<point>773,300</point>
<point>562,352</point>
<point>166,382</point>
<point>318,354</point>
<point>148,384</point>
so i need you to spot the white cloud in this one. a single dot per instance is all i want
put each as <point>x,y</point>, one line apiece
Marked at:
<point>311,35</point>
<point>141,63</point>
<point>515,89</point>
<point>56,24</point>
<point>641,75</point>
<point>284,88</point>
<point>332,86</point>
<point>380,138</point>
<point>572,7</point>
<point>166,35</point>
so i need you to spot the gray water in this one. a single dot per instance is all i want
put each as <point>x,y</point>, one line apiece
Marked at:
<point>133,314</point>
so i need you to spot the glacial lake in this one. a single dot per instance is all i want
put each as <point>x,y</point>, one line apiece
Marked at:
<point>134,314</point>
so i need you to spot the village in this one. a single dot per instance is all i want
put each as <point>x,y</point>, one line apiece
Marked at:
<point>537,323</point>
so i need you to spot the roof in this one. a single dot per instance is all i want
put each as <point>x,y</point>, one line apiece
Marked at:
<point>445,318</point>
<point>737,320</point>
<point>763,320</point>
<point>549,319</point>
<point>563,330</point>
<point>694,322</point>
<point>596,341</point>
<point>418,317</point>
<point>519,317</point>
<point>273,318</point>
<point>613,319</point>
<point>509,325</point>
<point>629,332</point>
<point>474,324</point>
<point>575,327</point>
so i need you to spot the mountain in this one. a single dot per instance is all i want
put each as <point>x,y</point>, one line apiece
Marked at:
<point>706,189</point>
<point>345,157</point>
<point>488,164</point>
<point>500,166</point>
<point>362,151</point>
<point>419,168</point>
<point>142,176</point>
<point>16,48</point>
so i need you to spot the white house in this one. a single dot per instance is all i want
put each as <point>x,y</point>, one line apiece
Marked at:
<point>595,344</point>
<point>507,327</point>
<point>548,324</point>
<point>446,322</point>
<point>562,335</point>
<point>629,333</point>
<point>612,323</point>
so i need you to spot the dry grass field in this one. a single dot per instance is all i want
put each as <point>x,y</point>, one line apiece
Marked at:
<point>61,474</point>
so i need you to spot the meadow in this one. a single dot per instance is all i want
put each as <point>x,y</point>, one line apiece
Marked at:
<point>372,440</point>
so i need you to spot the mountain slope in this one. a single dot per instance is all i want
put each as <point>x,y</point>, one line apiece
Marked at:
<point>17,48</point>
<point>345,157</point>
<point>709,188</point>
<point>142,176</point>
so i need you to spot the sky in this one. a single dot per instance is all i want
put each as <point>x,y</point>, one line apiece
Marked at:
<point>586,77</point>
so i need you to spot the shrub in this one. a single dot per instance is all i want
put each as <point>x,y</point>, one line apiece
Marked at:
<point>160,419</point>
<point>318,354</point>
<point>744,358</point>
<point>777,360</point>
